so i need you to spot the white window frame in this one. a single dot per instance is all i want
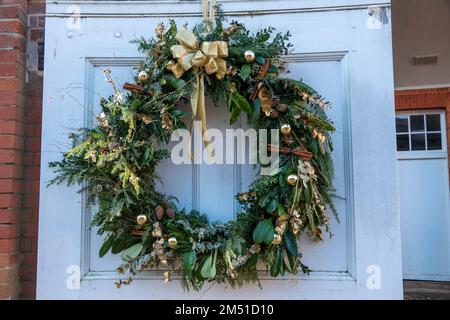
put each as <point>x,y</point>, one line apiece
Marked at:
<point>424,154</point>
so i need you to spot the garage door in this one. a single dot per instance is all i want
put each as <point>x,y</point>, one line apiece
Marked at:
<point>424,195</point>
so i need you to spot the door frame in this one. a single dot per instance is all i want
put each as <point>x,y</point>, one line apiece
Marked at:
<point>374,230</point>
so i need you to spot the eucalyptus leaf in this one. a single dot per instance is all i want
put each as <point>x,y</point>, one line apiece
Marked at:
<point>290,243</point>
<point>264,232</point>
<point>245,71</point>
<point>107,245</point>
<point>189,259</point>
<point>132,252</point>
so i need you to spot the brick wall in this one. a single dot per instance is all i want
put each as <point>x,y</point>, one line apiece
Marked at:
<point>21,32</point>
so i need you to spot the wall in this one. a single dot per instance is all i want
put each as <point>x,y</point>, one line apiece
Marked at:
<point>21,30</point>
<point>421,27</point>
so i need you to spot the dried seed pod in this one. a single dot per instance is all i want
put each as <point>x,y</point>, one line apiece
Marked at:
<point>274,114</point>
<point>170,213</point>
<point>159,212</point>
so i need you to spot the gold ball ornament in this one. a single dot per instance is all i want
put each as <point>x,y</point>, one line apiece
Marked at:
<point>249,56</point>
<point>172,242</point>
<point>276,239</point>
<point>141,219</point>
<point>286,129</point>
<point>142,76</point>
<point>292,179</point>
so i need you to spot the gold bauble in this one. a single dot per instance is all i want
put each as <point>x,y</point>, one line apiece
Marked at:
<point>292,179</point>
<point>286,129</point>
<point>141,219</point>
<point>249,56</point>
<point>172,242</point>
<point>276,239</point>
<point>142,76</point>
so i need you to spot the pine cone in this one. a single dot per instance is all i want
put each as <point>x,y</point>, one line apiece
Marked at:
<point>159,212</point>
<point>170,213</point>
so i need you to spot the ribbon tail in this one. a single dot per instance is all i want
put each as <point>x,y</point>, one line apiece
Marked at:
<point>199,108</point>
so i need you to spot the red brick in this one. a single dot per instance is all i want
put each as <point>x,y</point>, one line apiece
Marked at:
<point>9,290</point>
<point>11,128</point>
<point>8,231</point>
<point>10,200</point>
<point>8,260</point>
<point>29,259</point>
<point>25,244</point>
<point>9,215</point>
<point>34,116</point>
<point>36,34</point>
<point>33,145</point>
<point>9,156</point>
<point>30,186</point>
<point>10,186</point>
<point>11,142</point>
<point>8,98</point>
<point>12,41</point>
<point>11,113</point>
<point>10,171</point>
<point>27,273</point>
<point>12,56</point>
<point>36,7</point>
<point>28,289</point>
<point>22,3</point>
<point>13,26</point>
<point>13,12</point>
<point>8,245</point>
<point>32,172</point>
<point>31,201</point>
<point>12,84</point>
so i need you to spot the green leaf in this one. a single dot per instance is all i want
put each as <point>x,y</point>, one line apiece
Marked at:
<point>277,263</point>
<point>260,59</point>
<point>243,103</point>
<point>132,252</point>
<point>245,71</point>
<point>272,205</point>
<point>148,155</point>
<point>107,246</point>
<point>119,245</point>
<point>209,266</point>
<point>281,211</point>
<point>189,259</point>
<point>264,37</point>
<point>256,109</point>
<point>235,114</point>
<point>290,243</point>
<point>264,232</point>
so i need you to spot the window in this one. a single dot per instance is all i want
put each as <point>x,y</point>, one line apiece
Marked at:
<point>419,132</point>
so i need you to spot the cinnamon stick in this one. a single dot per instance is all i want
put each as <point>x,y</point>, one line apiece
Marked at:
<point>306,155</point>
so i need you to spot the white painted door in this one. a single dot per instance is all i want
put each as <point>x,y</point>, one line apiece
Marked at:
<point>424,195</point>
<point>337,51</point>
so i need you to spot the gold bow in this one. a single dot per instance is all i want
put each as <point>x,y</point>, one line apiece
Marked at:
<point>189,54</point>
<point>209,56</point>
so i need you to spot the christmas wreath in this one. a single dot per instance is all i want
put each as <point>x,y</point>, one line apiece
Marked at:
<point>117,159</point>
